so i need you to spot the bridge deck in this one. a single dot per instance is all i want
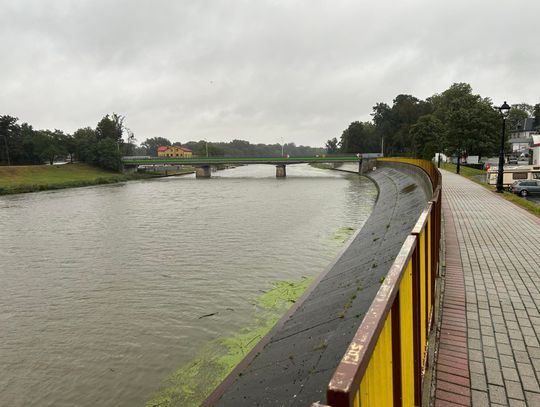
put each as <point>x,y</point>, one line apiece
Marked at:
<point>240,160</point>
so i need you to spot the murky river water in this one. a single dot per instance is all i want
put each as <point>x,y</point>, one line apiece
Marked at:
<point>101,288</point>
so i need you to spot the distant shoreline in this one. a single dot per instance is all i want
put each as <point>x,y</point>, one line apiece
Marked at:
<point>35,178</point>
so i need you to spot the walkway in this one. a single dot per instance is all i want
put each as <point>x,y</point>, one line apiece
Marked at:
<point>489,352</point>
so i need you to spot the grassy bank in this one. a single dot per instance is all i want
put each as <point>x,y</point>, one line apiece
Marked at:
<point>475,175</point>
<point>31,178</point>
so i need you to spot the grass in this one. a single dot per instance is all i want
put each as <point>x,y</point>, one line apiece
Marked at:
<point>31,178</point>
<point>473,173</point>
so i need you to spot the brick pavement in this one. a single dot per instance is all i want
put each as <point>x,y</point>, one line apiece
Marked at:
<point>490,313</point>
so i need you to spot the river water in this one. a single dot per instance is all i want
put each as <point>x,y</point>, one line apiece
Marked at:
<point>102,288</point>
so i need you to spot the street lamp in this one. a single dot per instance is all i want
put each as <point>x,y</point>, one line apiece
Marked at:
<point>503,110</point>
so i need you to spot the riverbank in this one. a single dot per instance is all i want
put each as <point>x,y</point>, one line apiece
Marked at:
<point>293,364</point>
<point>33,178</point>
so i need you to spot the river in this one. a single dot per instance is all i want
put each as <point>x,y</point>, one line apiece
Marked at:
<point>102,289</point>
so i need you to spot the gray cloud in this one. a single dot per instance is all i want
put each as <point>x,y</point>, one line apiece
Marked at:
<point>257,70</point>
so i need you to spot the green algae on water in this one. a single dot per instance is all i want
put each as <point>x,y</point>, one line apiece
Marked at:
<point>191,384</point>
<point>343,233</point>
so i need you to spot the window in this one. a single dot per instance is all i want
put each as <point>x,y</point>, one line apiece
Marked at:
<point>519,175</point>
<point>536,175</point>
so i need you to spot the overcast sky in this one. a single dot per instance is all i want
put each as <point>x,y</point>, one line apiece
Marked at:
<point>258,70</point>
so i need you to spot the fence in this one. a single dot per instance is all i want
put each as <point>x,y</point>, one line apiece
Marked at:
<point>387,357</point>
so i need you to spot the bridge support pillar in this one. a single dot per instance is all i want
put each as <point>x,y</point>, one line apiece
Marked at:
<point>203,172</point>
<point>280,171</point>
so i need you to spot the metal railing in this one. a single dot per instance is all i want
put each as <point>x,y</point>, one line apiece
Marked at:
<point>386,360</point>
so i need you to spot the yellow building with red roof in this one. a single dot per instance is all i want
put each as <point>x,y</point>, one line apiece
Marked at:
<point>174,151</point>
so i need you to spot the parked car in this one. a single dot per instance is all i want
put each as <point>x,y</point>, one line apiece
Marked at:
<point>524,188</point>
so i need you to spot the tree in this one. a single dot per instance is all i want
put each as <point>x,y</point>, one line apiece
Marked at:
<point>151,145</point>
<point>516,115</point>
<point>428,135</point>
<point>392,124</point>
<point>50,145</point>
<point>536,115</point>
<point>111,128</point>
<point>85,144</point>
<point>332,146</point>
<point>471,122</point>
<point>107,155</point>
<point>8,131</point>
<point>359,137</point>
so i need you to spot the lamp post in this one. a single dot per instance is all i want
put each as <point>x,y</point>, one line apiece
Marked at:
<point>503,110</point>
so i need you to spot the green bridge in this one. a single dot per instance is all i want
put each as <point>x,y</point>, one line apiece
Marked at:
<point>203,164</point>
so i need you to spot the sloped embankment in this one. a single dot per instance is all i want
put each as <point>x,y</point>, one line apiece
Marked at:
<point>294,363</point>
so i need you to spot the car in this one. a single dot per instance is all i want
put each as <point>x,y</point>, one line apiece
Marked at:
<point>526,187</point>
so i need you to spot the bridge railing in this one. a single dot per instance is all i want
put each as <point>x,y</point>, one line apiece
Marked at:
<point>385,362</point>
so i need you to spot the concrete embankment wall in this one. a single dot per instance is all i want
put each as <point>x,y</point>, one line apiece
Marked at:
<point>293,364</point>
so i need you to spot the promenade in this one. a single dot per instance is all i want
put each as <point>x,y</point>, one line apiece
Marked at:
<point>489,348</point>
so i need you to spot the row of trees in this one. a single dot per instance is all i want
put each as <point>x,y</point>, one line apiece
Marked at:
<point>235,148</point>
<point>453,121</point>
<point>103,146</point>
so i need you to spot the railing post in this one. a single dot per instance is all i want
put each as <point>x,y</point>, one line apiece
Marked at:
<point>396,352</point>
<point>417,335</point>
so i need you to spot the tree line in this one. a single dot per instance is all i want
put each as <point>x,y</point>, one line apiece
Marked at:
<point>453,122</point>
<point>102,146</point>
<point>235,148</point>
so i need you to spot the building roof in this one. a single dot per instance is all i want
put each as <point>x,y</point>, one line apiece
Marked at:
<point>165,148</point>
<point>520,140</point>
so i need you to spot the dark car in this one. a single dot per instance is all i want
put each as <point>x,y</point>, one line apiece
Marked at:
<point>526,187</point>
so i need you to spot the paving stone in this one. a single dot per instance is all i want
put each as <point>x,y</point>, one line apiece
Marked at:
<point>478,381</point>
<point>533,399</point>
<point>497,394</point>
<point>480,399</point>
<point>502,292</point>
<point>530,384</point>
<point>514,390</point>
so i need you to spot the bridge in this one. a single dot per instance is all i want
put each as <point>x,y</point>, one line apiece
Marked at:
<point>203,164</point>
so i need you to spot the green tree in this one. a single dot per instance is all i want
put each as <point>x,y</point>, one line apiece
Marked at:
<point>85,144</point>
<point>151,145</point>
<point>50,145</point>
<point>332,146</point>
<point>536,115</point>
<point>359,137</point>
<point>471,122</point>
<point>392,124</point>
<point>111,128</point>
<point>515,115</point>
<point>107,155</point>
<point>8,128</point>
<point>428,135</point>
